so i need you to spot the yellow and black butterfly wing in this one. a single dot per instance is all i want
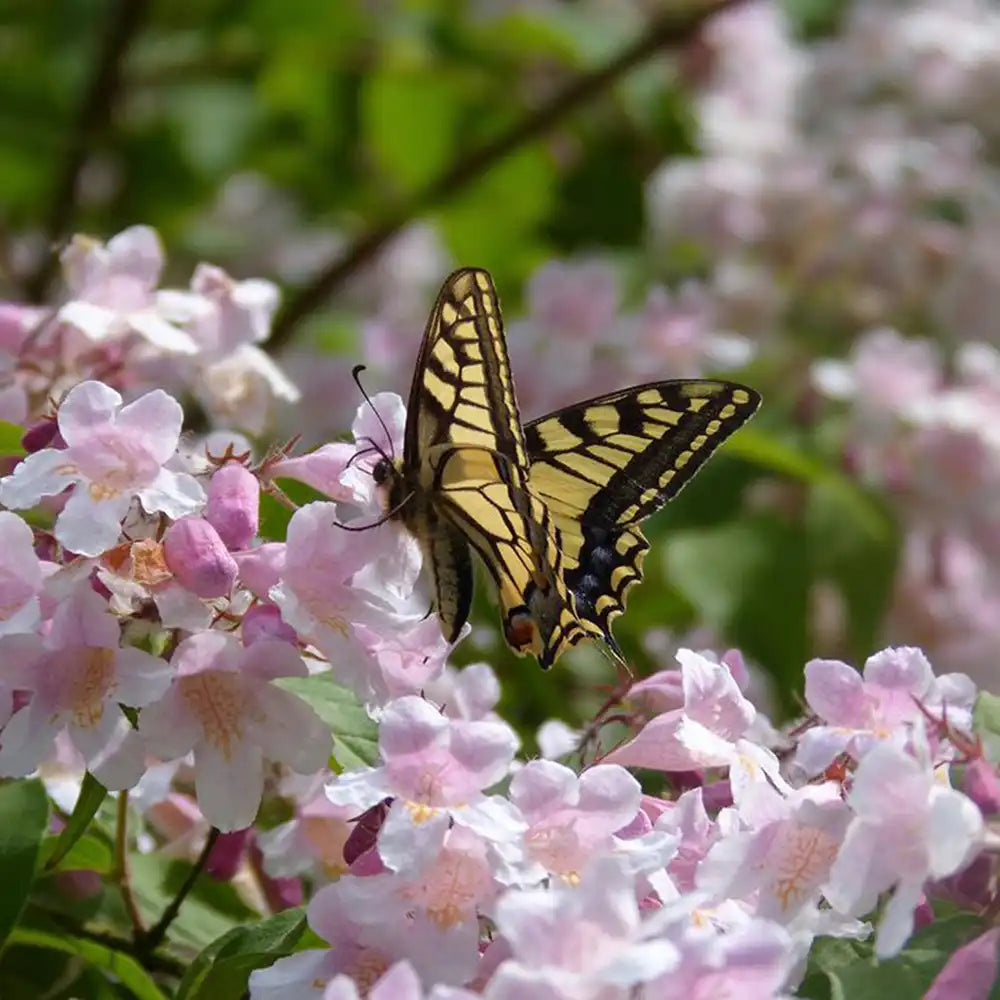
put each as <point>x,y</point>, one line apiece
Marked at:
<point>602,466</point>
<point>485,497</point>
<point>464,448</point>
<point>462,391</point>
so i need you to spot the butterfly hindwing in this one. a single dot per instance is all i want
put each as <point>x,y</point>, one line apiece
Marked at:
<point>604,465</point>
<point>487,500</point>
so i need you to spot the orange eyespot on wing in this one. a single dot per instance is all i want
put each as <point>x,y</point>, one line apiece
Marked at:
<point>521,632</point>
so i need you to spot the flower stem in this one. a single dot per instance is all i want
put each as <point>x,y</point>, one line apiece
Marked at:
<point>150,941</point>
<point>121,870</point>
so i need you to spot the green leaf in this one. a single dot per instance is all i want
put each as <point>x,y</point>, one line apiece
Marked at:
<point>410,117</point>
<point>355,735</point>
<point>117,964</point>
<point>89,853</point>
<point>986,720</point>
<point>860,562</point>
<point>750,580</point>
<point>504,241</point>
<point>24,814</point>
<point>767,452</point>
<point>207,913</point>
<point>10,439</point>
<point>92,794</point>
<point>221,971</point>
<point>213,122</point>
<point>852,973</point>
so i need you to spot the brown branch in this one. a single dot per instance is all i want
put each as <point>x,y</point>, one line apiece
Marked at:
<point>94,115</point>
<point>674,28</point>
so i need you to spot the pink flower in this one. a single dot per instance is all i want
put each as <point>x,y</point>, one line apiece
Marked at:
<point>264,621</point>
<point>113,291</point>
<point>435,768</point>
<point>753,962</point>
<point>370,928</point>
<point>336,584</point>
<point>588,941</point>
<point>704,733</point>
<point>240,313</point>
<point>20,576</point>
<point>261,567</point>
<point>223,706</point>
<point>907,828</point>
<point>883,704</point>
<point>244,389</point>
<point>114,454</point>
<point>971,971</point>
<point>783,857</point>
<point>77,675</point>
<point>321,469</point>
<point>312,843</point>
<point>198,558</point>
<point>572,819</point>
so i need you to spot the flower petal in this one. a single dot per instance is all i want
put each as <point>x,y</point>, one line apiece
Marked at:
<point>155,420</point>
<point>292,732</point>
<point>175,494</point>
<point>168,728</point>
<point>43,474</point>
<point>142,678</point>
<point>229,788</point>
<point>87,406</point>
<point>91,527</point>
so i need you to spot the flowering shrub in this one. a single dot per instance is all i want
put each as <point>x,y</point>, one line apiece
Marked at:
<point>279,712</point>
<point>237,757</point>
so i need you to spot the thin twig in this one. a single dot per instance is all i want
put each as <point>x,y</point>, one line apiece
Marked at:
<point>95,114</point>
<point>121,872</point>
<point>147,943</point>
<point>673,28</point>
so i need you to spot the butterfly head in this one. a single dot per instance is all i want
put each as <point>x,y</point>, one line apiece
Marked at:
<point>382,471</point>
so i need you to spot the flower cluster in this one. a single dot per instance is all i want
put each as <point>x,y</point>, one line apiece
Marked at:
<point>575,885</point>
<point>155,635</point>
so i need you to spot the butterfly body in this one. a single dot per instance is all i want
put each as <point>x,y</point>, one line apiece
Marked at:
<point>553,508</point>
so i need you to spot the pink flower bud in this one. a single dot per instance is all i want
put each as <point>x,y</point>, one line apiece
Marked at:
<point>264,621</point>
<point>260,568</point>
<point>226,855</point>
<point>981,784</point>
<point>198,558</point>
<point>233,507</point>
<point>41,434</point>
<point>970,972</point>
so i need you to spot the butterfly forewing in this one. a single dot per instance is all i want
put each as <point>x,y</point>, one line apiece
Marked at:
<point>604,465</point>
<point>462,392</point>
<point>465,460</point>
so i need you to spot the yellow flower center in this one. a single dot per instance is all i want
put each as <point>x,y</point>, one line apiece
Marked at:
<point>90,685</point>
<point>218,700</point>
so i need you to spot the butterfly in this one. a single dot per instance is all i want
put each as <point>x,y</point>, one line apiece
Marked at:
<point>552,508</point>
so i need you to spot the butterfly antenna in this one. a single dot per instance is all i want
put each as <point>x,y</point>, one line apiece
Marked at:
<point>356,375</point>
<point>387,516</point>
<point>372,446</point>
